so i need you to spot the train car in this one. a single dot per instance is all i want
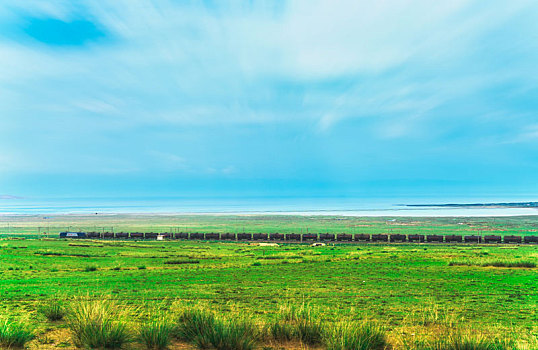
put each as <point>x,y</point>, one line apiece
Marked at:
<point>151,235</point>
<point>260,236</point>
<point>397,238</point>
<point>492,239</point>
<point>362,237</point>
<point>244,236</point>
<point>196,235</point>
<point>108,235</point>
<point>310,237</point>
<point>227,236</point>
<point>513,239</point>
<point>416,238</point>
<point>137,235</point>
<point>453,239</point>
<point>68,234</point>
<point>530,239</point>
<point>380,238</point>
<point>212,236</point>
<point>93,234</point>
<point>293,237</point>
<point>276,237</point>
<point>434,238</point>
<point>326,237</point>
<point>472,239</point>
<point>122,235</point>
<point>344,237</point>
<point>182,235</point>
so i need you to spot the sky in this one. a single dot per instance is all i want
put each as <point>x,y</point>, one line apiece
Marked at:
<point>269,98</point>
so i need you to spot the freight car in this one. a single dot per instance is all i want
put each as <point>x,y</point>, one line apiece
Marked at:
<point>434,238</point>
<point>244,236</point>
<point>416,238</point>
<point>397,238</point>
<point>293,237</point>
<point>326,237</point>
<point>137,235</point>
<point>212,236</point>
<point>472,239</point>
<point>260,237</point>
<point>362,237</point>
<point>182,235</point>
<point>531,239</point>
<point>453,239</point>
<point>122,235</point>
<point>93,235</point>
<point>344,237</point>
<point>227,236</point>
<point>276,237</point>
<point>513,239</point>
<point>196,235</point>
<point>492,239</point>
<point>380,238</point>
<point>310,237</point>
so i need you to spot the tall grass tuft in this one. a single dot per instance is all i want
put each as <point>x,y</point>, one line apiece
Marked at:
<point>296,323</point>
<point>53,310</point>
<point>235,333</point>
<point>456,340</point>
<point>356,336</point>
<point>156,334</point>
<point>97,324</point>
<point>205,330</point>
<point>195,325</point>
<point>15,334</point>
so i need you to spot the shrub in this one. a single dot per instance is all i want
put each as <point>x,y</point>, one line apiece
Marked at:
<point>52,310</point>
<point>156,334</point>
<point>142,267</point>
<point>97,324</point>
<point>90,268</point>
<point>15,334</point>
<point>356,336</point>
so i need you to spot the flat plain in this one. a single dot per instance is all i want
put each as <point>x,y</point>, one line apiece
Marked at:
<point>409,289</point>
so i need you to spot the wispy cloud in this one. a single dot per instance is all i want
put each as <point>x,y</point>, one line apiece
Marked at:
<point>275,89</point>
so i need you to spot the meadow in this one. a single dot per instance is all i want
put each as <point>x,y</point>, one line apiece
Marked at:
<point>412,294</point>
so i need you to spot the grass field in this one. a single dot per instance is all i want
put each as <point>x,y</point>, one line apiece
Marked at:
<point>36,224</point>
<point>412,291</point>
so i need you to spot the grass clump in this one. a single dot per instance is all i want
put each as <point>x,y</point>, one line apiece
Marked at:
<point>97,324</point>
<point>456,340</point>
<point>90,268</point>
<point>156,334</point>
<point>15,334</point>
<point>53,310</point>
<point>296,323</point>
<point>356,336</point>
<point>205,330</point>
<point>524,264</point>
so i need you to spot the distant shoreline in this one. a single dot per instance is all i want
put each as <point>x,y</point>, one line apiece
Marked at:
<point>478,205</point>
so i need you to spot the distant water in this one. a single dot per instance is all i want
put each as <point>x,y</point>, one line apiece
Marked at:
<point>283,206</point>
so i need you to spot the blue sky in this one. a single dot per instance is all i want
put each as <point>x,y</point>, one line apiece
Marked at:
<point>276,98</point>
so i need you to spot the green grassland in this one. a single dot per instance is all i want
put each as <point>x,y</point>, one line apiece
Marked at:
<point>410,289</point>
<point>35,224</point>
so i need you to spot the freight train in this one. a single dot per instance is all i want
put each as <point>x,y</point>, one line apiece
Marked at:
<point>307,237</point>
